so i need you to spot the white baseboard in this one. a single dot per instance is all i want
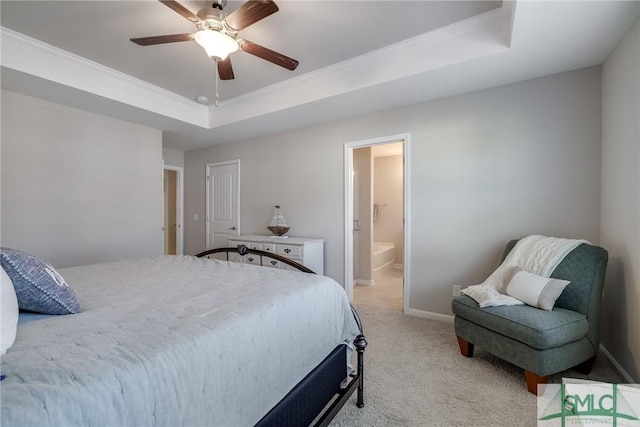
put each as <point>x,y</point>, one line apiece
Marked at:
<point>616,365</point>
<point>363,282</point>
<point>429,315</point>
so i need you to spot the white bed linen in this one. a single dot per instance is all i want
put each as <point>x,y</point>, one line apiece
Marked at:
<point>173,340</point>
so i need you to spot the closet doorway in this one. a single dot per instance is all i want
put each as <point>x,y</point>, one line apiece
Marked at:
<point>376,223</point>
<point>172,201</point>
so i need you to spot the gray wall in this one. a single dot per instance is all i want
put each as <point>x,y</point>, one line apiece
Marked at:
<point>485,167</point>
<point>77,187</point>
<point>620,230</point>
<point>172,157</point>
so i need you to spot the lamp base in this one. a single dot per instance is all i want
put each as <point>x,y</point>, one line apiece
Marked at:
<point>278,230</point>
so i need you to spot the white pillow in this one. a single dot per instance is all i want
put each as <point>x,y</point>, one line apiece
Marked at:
<point>8,314</point>
<point>534,290</point>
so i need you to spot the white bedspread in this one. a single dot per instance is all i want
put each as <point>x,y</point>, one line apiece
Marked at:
<point>172,341</point>
<point>536,254</point>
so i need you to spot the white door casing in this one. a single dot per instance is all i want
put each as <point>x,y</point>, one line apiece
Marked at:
<point>223,202</point>
<point>349,211</point>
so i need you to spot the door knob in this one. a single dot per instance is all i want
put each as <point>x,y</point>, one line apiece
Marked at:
<point>232,228</point>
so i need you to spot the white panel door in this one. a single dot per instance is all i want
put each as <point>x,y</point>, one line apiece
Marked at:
<point>223,213</point>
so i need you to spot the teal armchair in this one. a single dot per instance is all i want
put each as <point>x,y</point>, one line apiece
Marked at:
<point>542,342</point>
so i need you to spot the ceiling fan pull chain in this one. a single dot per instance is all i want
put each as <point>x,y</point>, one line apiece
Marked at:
<point>217,95</point>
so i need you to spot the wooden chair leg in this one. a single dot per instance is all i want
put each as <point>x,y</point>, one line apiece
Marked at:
<point>534,380</point>
<point>466,348</point>
<point>586,366</point>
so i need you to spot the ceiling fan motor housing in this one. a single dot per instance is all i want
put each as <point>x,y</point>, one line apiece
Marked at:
<point>211,18</point>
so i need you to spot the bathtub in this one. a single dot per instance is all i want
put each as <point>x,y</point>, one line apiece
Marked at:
<point>383,257</point>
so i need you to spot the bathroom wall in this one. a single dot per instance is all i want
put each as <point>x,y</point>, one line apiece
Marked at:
<point>387,194</point>
<point>362,239</point>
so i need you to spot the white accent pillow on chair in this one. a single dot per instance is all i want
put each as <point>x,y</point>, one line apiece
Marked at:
<point>534,290</point>
<point>8,313</point>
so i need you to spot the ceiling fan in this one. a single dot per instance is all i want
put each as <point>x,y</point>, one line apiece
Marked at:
<point>218,33</point>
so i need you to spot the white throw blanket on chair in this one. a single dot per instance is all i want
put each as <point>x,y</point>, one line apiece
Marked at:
<point>536,254</point>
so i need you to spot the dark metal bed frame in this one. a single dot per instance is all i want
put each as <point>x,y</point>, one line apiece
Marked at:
<point>321,388</point>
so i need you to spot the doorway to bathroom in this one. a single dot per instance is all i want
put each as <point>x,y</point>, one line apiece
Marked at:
<point>376,221</point>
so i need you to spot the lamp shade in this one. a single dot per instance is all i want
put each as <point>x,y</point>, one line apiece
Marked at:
<point>217,44</point>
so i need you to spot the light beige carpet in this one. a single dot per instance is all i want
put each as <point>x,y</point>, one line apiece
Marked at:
<point>415,376</point>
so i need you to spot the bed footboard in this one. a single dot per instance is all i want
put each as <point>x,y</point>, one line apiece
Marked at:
<point>320,395</point>
<point>264,256</point>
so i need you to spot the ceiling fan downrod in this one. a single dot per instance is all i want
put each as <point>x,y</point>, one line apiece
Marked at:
<point>219,4</point>
<point>217,100</point>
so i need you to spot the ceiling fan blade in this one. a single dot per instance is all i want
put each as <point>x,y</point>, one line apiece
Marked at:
<point>268,54</point>
<point>181,10</point>
<point>147,41</point>
<point>250,12</point>
<point>225,71</point>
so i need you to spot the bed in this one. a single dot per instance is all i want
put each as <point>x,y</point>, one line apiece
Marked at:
<point>184,340</point>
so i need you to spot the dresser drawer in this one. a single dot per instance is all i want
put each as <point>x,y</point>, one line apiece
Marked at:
<point>269,247</point>
<point>252,259</point>
<point>278,264</point>
<point>289,251</point>
<point>266,262</point>
<point>250,245</point>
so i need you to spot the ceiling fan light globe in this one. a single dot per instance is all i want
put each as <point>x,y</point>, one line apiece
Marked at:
<point>217,45</point>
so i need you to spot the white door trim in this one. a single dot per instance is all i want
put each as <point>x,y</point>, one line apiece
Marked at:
<point>236,162</point>
<point>348,209</point>
<point>179,207</point>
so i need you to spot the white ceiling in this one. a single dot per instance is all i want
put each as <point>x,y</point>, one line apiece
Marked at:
<point>355,57</point>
